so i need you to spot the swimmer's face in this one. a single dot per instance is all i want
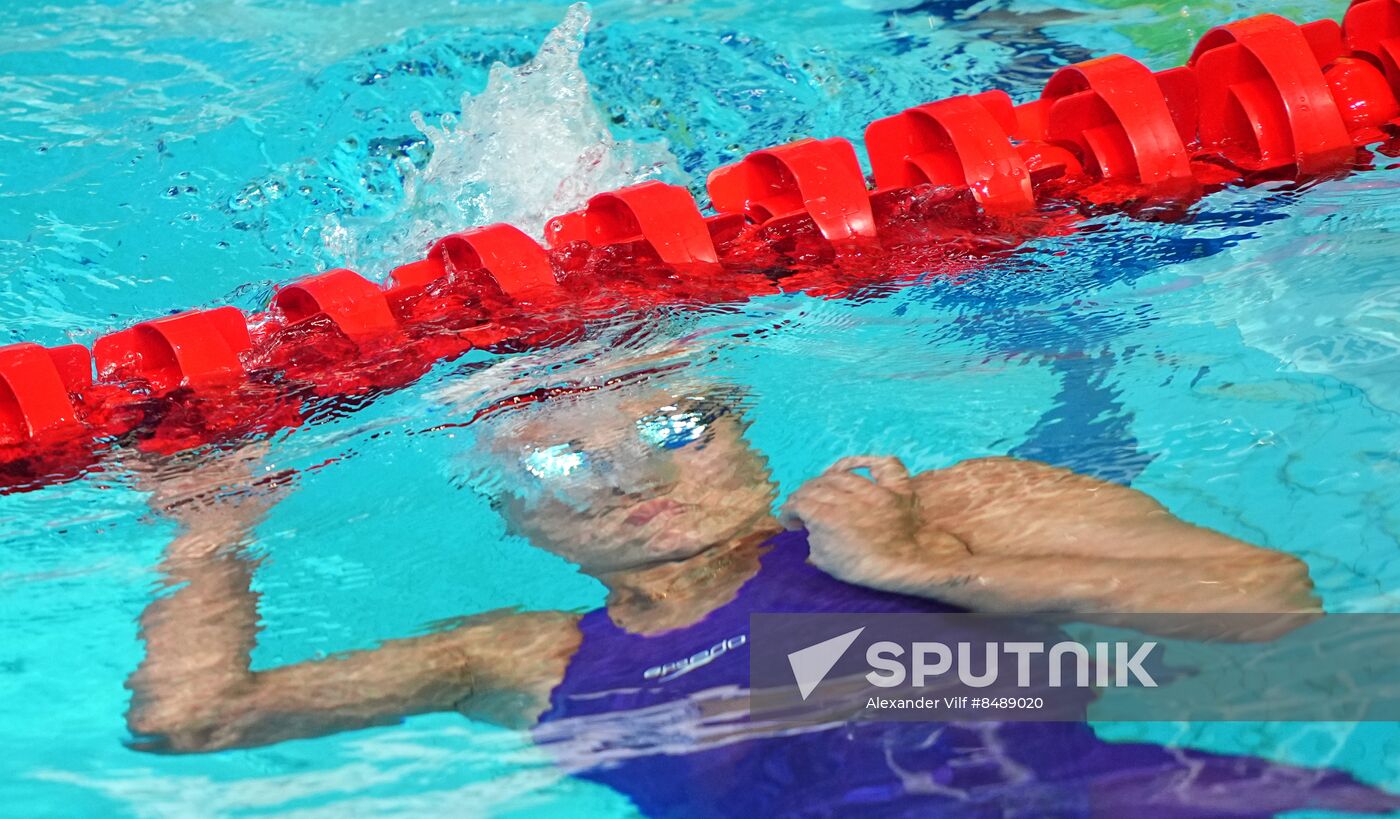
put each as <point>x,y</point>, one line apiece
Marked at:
<point>610,482</point>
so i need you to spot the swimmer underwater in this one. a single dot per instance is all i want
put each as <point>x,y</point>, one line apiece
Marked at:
<point>656,494</point>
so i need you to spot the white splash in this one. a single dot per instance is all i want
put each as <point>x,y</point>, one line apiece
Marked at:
<point>532,145</point>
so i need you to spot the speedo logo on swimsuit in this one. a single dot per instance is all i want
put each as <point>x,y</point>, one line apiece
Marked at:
<point>672,670</point>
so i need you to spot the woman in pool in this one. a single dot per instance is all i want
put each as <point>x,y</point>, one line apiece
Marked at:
<point>661,499</point>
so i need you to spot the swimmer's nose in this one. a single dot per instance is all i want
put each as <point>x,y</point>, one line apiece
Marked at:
<point>639,492</point>
<point>640,481</point>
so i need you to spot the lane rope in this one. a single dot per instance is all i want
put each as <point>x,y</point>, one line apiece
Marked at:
<point>1262,98</point>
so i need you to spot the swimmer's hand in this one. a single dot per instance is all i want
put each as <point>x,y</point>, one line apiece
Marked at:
<point>217,496</point>
<point>868,530</point>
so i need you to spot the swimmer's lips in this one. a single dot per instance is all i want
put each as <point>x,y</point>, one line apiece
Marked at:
<point>650,510</point>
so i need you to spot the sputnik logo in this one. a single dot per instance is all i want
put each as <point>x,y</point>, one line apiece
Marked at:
<point>811,664</point>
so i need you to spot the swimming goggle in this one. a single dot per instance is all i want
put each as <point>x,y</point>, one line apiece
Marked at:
<point>671,427</point>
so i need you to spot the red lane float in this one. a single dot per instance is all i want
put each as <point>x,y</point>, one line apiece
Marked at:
<point>1265,104</point>
<point>816,179</point>
<point>200,349</point>
<point>962,142</point>
<point>662,217</point>
<point>1116,116</point>
<point>1261,97</point>
<point>1372,30</point>
<point>36,384</point>
<point>512,261</point>
<point>354,305</point>
<point>1363,97</point>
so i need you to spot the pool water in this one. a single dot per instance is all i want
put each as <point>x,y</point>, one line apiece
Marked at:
<point>1241,365</point>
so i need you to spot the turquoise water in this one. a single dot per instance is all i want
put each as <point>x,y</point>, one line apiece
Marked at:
<point>1242,365</point>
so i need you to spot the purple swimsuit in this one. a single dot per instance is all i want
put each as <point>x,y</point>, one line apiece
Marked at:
<point>628,714</point>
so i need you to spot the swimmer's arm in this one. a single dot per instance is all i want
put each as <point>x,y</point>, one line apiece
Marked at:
<point>1033,584</point>
<point>195,690</point>
<point>1011,536</point>
<point>498,667</point>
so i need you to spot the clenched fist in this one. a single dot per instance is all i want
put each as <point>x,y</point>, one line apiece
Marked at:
<point>867,530</point>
